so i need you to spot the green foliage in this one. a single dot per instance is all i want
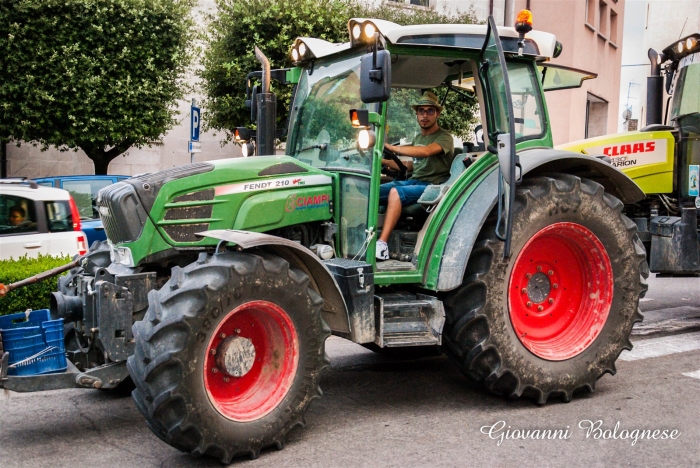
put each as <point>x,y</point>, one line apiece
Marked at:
<point>273,25</point>
<point>100,75</point>
<point>35,296</point>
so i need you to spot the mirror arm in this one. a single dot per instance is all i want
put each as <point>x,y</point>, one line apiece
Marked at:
<point>376,73</point>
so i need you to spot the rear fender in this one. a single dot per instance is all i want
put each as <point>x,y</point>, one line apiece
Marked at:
<point>462,234</point>
<point>334,309</point>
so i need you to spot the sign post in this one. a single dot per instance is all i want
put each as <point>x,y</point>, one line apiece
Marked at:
<point>194,146</point>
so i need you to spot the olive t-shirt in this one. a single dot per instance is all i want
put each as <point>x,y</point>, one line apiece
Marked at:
<point>434,169</point>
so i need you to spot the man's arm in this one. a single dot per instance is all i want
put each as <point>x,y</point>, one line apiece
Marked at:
<point>416,151</point>
<point>412,151</point>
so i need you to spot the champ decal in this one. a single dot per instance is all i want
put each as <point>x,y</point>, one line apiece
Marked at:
<point>633,153</point>
<point>295,202</point>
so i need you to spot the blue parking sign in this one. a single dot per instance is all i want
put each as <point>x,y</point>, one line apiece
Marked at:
<point>194,123</point>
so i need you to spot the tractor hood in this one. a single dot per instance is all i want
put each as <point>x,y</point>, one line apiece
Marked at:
<point>164,210</point>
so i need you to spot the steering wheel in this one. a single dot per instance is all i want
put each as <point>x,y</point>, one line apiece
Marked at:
<point>390,155</point>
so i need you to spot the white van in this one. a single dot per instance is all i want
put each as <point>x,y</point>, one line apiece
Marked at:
<point>35,219</point>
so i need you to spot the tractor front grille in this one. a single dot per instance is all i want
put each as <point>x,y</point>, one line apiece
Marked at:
<point>195,206</point>
<point>185,232</point>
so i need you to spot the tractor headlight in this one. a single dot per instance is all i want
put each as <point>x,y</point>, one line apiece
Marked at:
<point>301,51</point>
<point>248,149</point>
<point>366,139</point>
<point>362,32</point>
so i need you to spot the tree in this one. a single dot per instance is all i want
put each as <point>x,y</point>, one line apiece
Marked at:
<point>99,75</point>
<point>273,25</point>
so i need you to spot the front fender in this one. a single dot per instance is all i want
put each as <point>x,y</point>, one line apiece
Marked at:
<point>462,234</point>
<point>334,311</point>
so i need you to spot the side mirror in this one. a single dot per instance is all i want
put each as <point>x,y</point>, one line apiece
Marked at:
<point>375,76</point>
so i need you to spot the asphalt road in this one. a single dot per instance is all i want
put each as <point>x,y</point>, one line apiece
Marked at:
<point>378,412</point>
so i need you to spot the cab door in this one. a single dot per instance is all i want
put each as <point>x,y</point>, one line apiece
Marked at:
<point>500,126</point>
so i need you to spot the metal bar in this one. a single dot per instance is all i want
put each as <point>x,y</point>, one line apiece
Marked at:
<point>4,289</point>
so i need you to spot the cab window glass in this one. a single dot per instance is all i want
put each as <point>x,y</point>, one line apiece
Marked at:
<point>686,99</point>
<point>59,216</point>
<point>401,124</point>
<point>17,215</point>
<point>527,108</point>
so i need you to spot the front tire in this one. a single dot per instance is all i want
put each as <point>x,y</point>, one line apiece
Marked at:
<point>229,355</point>
<point>553,317</point>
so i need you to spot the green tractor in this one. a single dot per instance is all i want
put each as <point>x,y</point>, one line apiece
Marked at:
<point>222,280</point>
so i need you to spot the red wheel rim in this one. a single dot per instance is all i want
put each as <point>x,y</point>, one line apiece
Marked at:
<point>260,389</point>
<point>560,291</point>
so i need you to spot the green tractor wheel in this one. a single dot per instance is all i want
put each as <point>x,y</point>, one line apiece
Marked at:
<point>229,355</point>
<point>553,317</point>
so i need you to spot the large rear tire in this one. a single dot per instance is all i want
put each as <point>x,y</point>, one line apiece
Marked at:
<point>229,355</point>
<point>553,317</point>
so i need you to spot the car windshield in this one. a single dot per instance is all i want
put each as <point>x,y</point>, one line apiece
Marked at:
<point>320,131</point>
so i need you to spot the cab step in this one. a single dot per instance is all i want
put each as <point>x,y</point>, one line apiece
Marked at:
<point>409,320</point>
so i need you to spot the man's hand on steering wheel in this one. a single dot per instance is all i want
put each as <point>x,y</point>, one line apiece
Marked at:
<point>392,156</point>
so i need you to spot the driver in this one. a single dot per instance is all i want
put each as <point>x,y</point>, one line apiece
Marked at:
<point>432,152</point>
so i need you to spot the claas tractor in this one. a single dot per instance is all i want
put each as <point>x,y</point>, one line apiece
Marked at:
<point>221,280</point>
<point>663,158</point>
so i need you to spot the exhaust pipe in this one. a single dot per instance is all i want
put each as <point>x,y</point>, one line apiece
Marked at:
<point>69,308</point>
<point>267,110</point>
<point>655,90</point>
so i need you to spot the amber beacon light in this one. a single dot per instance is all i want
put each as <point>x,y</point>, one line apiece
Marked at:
<point>523,25</point>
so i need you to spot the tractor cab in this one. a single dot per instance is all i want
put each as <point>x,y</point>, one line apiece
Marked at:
<point>446,59</point>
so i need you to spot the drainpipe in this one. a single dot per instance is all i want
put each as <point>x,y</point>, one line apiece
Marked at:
<point>509,13</point>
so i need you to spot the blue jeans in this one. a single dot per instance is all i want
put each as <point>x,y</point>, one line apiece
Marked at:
<point>409,191</point>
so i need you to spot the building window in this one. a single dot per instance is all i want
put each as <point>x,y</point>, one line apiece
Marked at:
<point>596,116</point>
<point>590,13</point>
<point>603,19</point>
<point>423,3</point>
<point>613,27</point>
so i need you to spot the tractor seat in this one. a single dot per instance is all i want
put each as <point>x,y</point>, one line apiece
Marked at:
<point>413,216</point>
<point>433,194</point>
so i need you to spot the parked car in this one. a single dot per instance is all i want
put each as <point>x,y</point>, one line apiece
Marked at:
<point>36,220</point>
<point>83,189</point>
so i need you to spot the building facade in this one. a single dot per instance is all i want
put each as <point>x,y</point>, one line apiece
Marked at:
<point>591,32</point>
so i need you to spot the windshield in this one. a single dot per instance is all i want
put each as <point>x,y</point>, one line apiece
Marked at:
<point>686,93</point>
<point>320,131</point>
